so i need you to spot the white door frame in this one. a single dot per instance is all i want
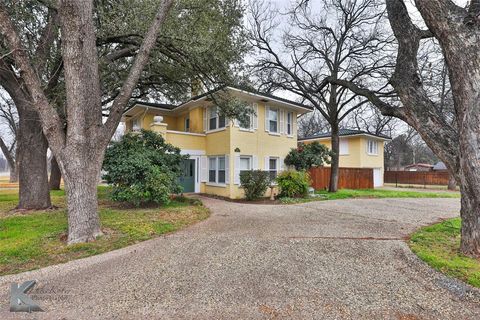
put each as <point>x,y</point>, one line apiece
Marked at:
<point>195,155</point>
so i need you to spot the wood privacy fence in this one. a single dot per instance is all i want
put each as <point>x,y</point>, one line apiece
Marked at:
<point>349,178</point>
<point>417,177</point>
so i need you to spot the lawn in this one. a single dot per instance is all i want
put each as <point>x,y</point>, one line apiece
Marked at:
<point>31,240</point>
<point>382,193</point>
<point>438,245</point>
<point>370,194</point>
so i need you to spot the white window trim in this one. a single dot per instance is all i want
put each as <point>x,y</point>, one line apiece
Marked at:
<point>375,153</point>
<point>216,183</point>
<point>348,147</point>
<point>217,121</point>
<point>273,133</point>
<point>267,165</point>
<point>250,162</point>
<point>290,135</point>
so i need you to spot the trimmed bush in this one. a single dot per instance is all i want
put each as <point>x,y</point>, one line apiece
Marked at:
<point>143,168</point>
<point>293,184</point>
<point>308,155</point>
<point>254,183</point>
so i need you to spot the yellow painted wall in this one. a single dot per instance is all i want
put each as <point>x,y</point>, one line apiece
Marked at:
<point>224,142</point>
<point>186,141</point>
<point>259,143</point>
<point>196,120</point>
<point>357,153</point>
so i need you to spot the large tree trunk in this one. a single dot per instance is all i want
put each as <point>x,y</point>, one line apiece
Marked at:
<point>452,183</point>
<point>81,185</point>
<point>55,175</point>
<point>13,173</point>
<point>32,161</point>
<point>335,165</point>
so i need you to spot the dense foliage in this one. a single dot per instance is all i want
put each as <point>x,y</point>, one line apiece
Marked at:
<point>308,155</point>
<point>143,168</point>
<point>254,183</point>
<point>293,183</point>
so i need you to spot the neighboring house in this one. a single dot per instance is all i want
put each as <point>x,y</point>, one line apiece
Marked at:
<point>220,149</point>
<point>439,166</point>
<point>419,167</point>
<point>358,149</point>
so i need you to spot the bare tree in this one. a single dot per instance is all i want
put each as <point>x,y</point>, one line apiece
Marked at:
<point>370,119</point>
<point>310,124</point>
<point>454,141</point>
<point>79,142</point>
<point>9,116</point>
<point>316,47</point>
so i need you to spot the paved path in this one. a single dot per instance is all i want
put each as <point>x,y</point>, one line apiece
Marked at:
<point>321,260</point>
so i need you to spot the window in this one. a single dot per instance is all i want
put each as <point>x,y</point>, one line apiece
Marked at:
<point>273,168</point>
<point>246,121</point>
<point>289,123</point>
<point>245,163</point>
<point>136,124</point>
<point>221,170</point>
<point>212,170</point>
<point>213,118</point>
<point>343,146</point>
<point>215,121</point>
<point>216,170</point>
<point>187,124</point>
<point>273,120</point>
<point>372,147</point>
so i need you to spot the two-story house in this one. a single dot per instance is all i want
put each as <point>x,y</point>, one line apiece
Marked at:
<point>219,148</point>
<point>358,149</point>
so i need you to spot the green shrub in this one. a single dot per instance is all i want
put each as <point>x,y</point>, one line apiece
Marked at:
<point>308,155</point>
<point>254,183</point>
<point>293,183</point>
<point>142,168</point>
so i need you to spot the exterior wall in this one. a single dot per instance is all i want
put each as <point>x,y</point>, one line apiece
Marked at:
<point>258,142</point>
<point>261,144</point>
<point>353,158</point>
<point>357,153</point>
<point>357,156</point>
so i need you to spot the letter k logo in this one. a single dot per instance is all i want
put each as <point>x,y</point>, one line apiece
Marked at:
<point>19,301</point>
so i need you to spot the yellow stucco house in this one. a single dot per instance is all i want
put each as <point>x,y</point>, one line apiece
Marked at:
<point>358,149</point>
<point>219,148</point>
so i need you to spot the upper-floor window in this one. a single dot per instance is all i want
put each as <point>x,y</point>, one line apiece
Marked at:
<point>215,120</point>
<point>273,120</point>
<point>343,146</point>
<point>136,124</point>
<point>372,147</point>
<point>246,122</point>
<point>187,123</point>
<point>289,123</point>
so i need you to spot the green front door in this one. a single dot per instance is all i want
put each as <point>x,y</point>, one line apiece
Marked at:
<point>187,180</point>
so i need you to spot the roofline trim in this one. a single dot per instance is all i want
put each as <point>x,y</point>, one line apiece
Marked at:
<point>205,95</point>
<point>346,135</point>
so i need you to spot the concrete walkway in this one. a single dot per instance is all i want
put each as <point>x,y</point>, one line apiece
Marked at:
<point>322,260</point>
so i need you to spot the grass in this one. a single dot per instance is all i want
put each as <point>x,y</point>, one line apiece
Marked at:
<point>35,239</point>
<point>382,193</point>
<point>370,194</point>
<point>438,245</point>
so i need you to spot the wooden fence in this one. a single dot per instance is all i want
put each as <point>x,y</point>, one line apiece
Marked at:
<point>349,178</point>
<point>417,177</point>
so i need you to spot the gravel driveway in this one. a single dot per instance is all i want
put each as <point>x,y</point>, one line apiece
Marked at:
<point>340,259</point>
